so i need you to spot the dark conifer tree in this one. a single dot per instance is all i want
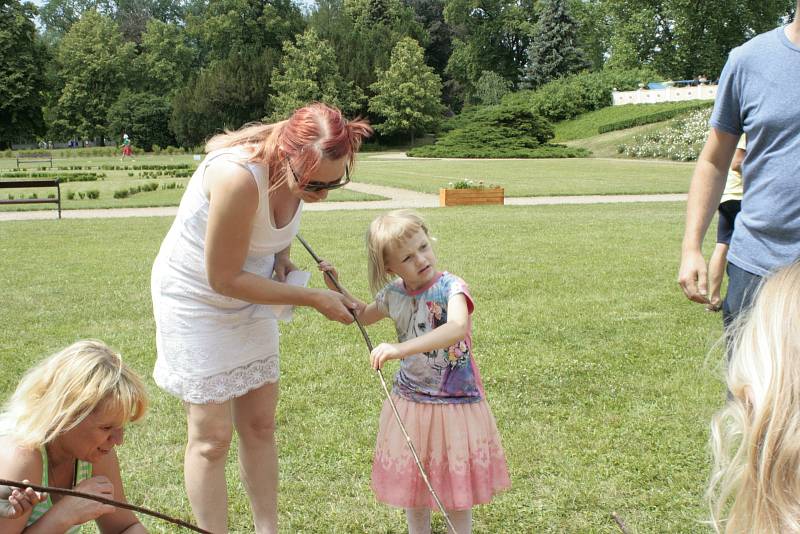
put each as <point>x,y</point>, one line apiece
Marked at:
<point>554,51</point>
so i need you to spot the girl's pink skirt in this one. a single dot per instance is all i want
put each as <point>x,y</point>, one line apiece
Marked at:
<point>459,447</point>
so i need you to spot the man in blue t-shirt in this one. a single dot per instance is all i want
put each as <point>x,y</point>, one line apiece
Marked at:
<point>759,94</point>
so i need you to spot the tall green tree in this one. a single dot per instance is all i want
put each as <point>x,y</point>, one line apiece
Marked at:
<point>488,35</point>
<point>593,30</point>
<point>491,88</point>
<point>94,64</point>
<point>363,34</point>
<point>682,38</point>
<point>555,51</point>
<point>226,94</point>
<point>224,29</point>
<point>308,72</point>
<point>167,59</point>
<point>22,64</point>
<point>58,16</point>
<point>144,117</point>
<point>407,93</point>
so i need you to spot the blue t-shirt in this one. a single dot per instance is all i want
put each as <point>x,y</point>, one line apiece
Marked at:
<point>759,94</point>
<point>442,376</point>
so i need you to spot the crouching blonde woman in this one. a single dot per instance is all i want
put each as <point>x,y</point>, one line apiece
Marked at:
<point>60,428</point>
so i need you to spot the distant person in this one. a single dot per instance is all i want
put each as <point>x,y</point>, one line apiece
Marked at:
<point>758,94</point>
<point>127,151</point>
<point>60,429</point>
<point>730,205</point>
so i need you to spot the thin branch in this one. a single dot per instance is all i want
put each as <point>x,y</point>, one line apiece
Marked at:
<point>112,502</point>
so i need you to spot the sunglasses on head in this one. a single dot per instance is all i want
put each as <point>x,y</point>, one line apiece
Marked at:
<point>313,187</point>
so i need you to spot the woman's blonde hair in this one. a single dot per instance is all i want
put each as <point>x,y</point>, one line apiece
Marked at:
<point>384,232</point>
<point>755,438</point>
<point>312,133</point>
<point>57,394</point>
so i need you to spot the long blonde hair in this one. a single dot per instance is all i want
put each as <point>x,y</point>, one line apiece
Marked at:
<point>57,394</point>
<point>755,438</point>
<point>312,133</point>
<point>385,231</point>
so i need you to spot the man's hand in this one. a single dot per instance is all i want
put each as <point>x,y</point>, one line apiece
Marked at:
<point>693,277</point>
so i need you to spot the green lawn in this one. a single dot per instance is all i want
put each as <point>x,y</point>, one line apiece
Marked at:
<point>521,178</point>
<point>595,365</point>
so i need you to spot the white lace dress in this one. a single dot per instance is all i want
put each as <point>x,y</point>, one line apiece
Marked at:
<point>212,348</point>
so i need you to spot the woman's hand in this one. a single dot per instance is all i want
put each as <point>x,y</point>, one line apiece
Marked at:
<point>15,502</point>
<point>326,267</point>
<point>335,306</point>
<point>283,266</point>
<point>83,510</point>
<point>383,353</point>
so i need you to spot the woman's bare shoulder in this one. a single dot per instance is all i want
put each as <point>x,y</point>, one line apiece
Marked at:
<point>17,462</point>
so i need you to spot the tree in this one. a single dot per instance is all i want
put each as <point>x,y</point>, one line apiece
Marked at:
<point>491,88</point>
<point>363,34</point>
<point>224,29</point>
<point>488,35</point>
<point>58,16</point>
<point>94,64</point>
<point>407,93</point>
<point>22,65</point>
<point>167,60</point>
<point>143,116</point>
<point>555,51</point>
<point>680,38</point>
<point>226,94</point>
<point>308,72</point>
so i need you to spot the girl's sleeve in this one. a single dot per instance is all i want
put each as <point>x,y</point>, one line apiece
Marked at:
<point>380,301</point>
<point>459,286</point>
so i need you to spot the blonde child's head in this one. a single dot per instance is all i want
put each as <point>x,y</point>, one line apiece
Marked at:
<point>385,232</point>
<point>755,438</point>
<point>57,394</point>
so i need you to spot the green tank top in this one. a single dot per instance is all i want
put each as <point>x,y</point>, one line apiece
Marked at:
<point>83,470</point>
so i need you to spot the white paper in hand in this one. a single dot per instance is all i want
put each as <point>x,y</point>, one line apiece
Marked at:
<point>283,312</point>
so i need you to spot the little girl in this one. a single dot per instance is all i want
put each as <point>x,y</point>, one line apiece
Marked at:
<point>755,482</point>
<point>438,390</point>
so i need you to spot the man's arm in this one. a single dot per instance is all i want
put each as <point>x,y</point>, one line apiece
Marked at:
<point>705,191</point>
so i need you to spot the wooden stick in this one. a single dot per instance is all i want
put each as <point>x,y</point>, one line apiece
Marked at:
<point>118,504</point>
<point>388,395</point>
<point>620,523</point>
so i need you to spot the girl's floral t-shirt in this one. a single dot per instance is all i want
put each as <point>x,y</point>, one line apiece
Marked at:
<point>446,375</point>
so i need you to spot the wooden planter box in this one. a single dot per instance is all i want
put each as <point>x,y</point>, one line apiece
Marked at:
<point>468,197</point>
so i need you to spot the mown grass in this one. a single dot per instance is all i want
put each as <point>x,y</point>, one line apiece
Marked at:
<point>586,125</point>
<point>522,178</point>
<point>594,363</point>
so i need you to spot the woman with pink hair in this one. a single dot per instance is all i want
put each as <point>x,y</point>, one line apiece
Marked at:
<point>224,260</point>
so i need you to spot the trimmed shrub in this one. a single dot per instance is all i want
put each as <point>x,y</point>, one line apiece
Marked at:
<point>570,96</point>
<point>504,131</point>
<point>649,119</point>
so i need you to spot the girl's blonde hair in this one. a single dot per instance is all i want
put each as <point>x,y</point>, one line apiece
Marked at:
<point>57,394</point>
<point>312,133</point>
<point>755,438</point>
<point>384,232</point>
